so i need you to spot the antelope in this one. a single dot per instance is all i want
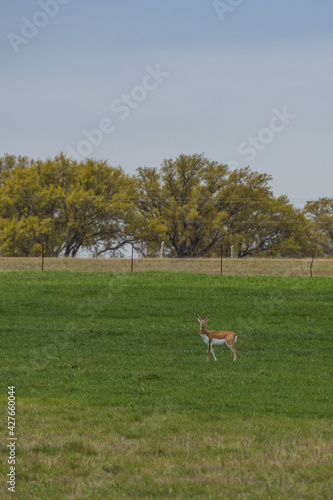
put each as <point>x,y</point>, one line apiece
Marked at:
<point>216,338</point>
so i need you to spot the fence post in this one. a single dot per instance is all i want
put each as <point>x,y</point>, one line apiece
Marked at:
<point>132,257</point>
<point>162,249</point>
<point>313,256</point>
<point>42,257</point>
<point>221,259</point>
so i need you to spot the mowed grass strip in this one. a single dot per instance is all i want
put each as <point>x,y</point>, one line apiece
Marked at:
<point>115,398</point>
<point>250,266</point>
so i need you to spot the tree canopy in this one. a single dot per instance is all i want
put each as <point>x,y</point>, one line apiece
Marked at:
<point>194,205</point>
<point>320,213</point>
<point>191,203</point>
<point>64,206</point>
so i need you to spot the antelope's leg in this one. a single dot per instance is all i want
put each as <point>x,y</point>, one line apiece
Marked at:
<point>213,353</point>
<point>233,349</point>
<point>209,348</point>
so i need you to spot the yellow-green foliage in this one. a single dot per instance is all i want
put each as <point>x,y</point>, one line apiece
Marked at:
<point>64,205</point>
<point>192,204</point>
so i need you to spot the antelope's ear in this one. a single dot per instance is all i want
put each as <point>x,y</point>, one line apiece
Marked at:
<point>199,318</point>
<point>207,317</point>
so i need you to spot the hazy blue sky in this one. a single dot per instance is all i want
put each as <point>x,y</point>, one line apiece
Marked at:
<point>133,82</point>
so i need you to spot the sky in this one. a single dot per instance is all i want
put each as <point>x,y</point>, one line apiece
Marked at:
<point>244,82</point>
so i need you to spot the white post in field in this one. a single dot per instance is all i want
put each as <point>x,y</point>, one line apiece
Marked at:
<point>162,250</point>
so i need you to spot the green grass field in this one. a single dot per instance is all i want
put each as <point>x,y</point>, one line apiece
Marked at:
<point>115,398</point>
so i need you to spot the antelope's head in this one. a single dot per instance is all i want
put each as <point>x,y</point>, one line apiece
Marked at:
<point>203,321</point>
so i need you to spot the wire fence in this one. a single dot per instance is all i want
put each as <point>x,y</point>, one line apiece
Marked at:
<point>250,266</point>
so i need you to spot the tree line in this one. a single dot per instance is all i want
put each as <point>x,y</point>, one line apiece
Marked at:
<point>190,203</point>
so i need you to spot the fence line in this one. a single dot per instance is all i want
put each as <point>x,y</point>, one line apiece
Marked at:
<point>250,266</point>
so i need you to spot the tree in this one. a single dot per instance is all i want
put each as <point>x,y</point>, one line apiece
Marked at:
<point>64,206</point>
<point>95,205</point>
<point>257,222</point>
<point>194,205</point>
<point>98,210</point>
<point>320,214</point>
<point>27,212</point>
<point>179,205</point>
<point>9,163</point>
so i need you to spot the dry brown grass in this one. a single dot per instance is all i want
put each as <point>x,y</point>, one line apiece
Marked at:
<point>236,267</point>
<point>111,454</point>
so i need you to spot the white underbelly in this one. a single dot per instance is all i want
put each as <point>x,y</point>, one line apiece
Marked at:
<point>215,341</point>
